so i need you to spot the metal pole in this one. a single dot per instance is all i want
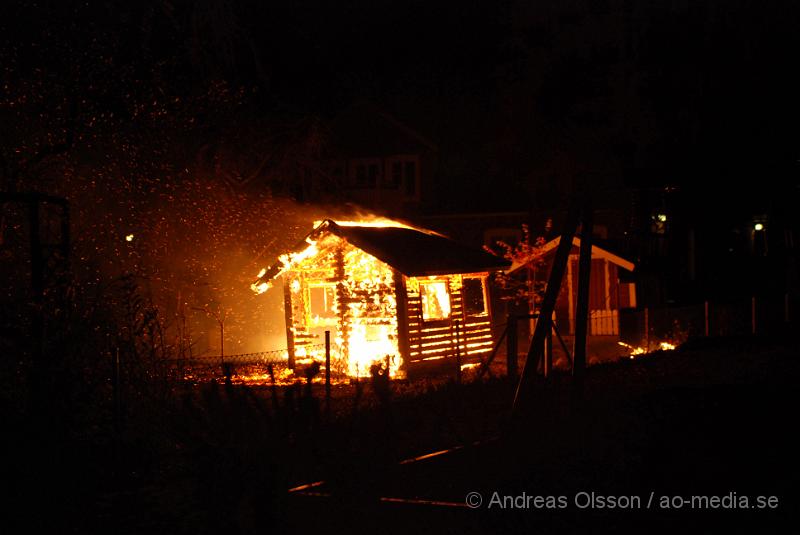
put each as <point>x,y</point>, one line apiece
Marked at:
<point>706,317</point>
<point>646,329</point>
<point>753,314</point>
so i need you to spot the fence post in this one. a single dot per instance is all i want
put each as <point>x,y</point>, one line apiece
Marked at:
<point>328,371</point>
<point>116,409</point>
<point>511,348</point>
<point>646,329</point>
<point>458,351</point>
<point>116,399</point>
<point>706,319</point>
<point>753,314</point>
<point>548,351</point>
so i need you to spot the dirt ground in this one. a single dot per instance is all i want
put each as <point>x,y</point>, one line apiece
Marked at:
<point>705,434</point>
<point>714,419</point>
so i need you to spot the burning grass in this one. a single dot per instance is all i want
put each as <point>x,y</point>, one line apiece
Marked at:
<point>638,350</point>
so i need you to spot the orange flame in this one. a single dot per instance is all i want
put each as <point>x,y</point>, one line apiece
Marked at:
<point>638,350</point>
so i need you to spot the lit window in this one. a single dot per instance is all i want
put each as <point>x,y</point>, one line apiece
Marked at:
<point>322,300</point>
<point>435,300</point>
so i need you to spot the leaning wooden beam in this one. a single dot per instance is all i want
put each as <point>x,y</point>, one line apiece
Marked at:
<point>543,325</point>
<point>582,306</point>
<point>485,364</point>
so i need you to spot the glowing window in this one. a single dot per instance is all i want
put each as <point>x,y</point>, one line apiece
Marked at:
<point>435,300</point>
<point>321,301</point>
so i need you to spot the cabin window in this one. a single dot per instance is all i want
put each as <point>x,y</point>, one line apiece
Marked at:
<point>435,300</point>
<point>402,174</point>
<point>322,300</point>
<point>474,297</point>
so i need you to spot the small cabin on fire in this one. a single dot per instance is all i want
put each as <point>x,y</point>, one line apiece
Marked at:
<point>387,293</point>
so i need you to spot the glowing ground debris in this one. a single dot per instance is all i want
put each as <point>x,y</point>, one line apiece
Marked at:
<point>638,350</point>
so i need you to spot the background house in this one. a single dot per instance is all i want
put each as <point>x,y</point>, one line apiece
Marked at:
<point>379,163</point>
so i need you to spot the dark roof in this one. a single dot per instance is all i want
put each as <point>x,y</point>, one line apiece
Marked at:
<point>416,253</point>
<point>412,252</point>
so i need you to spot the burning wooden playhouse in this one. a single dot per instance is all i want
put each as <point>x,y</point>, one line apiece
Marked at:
<point>386,292</point>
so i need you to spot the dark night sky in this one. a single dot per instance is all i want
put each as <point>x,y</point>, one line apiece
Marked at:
<point>666,92</point>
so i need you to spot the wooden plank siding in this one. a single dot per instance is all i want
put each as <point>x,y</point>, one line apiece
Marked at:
<point>438,339</point>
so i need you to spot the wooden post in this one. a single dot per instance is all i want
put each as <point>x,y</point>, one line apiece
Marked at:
<point>115,393</point>
<point>706,317</point>
<point>512,369</point>
<point>548,351</point>
<point>582,308</point>
<point>570,300</point>
<point>458,351</point>
<point>222,343</point>
<point>327,371</point>
<point>401,300</point>
<point>342,298</point>
<point>548,305</point>
<point>287,306</point>
<point>40,398</point>
<point>116,412</point>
